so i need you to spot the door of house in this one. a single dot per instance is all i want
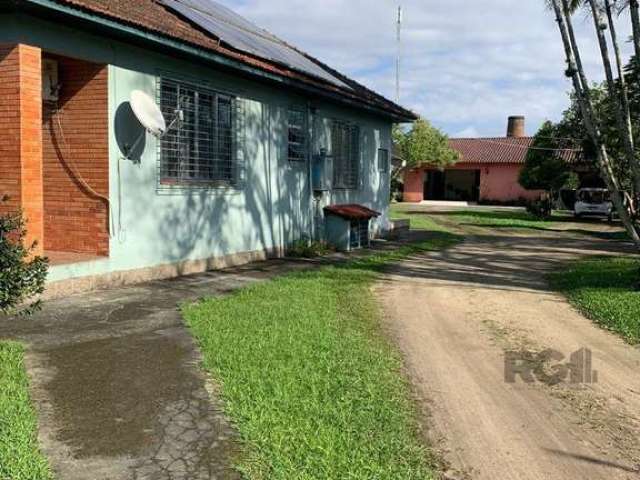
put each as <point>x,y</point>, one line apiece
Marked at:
<point>434,185</point>
<point>476,186</point>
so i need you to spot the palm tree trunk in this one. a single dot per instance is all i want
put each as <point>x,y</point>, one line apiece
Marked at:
<point>581,86</point>
<point>617,92</point>
<point>580,82</point>
<point>568,9</point>
<point>635,22</point>
<point>619,67</point>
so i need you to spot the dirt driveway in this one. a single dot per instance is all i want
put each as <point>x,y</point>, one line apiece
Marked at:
<point>456,313</point>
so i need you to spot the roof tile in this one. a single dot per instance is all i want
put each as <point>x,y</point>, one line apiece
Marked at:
<point>497,150</point>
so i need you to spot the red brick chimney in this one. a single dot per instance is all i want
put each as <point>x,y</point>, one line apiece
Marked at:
<point>516,127</point>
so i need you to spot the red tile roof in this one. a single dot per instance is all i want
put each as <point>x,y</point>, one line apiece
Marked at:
<point>491,150</point>
<point>351,211</point>
<point>504,150</point>
<point>149,15</point>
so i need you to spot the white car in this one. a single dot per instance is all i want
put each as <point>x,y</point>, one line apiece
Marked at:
<point>595,202</point>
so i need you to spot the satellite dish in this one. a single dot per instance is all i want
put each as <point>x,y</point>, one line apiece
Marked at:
<point>148,113</point>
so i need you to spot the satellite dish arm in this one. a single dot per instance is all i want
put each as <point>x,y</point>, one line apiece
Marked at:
<point>151,118</point>
<point>178,117</point>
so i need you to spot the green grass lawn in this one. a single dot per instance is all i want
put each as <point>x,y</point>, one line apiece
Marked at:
<point>480,218</point>
<point>418,220</point>
<point>308,377</point>
<point>20,458</point>
<point>495,219</point>
<point>604,290</point>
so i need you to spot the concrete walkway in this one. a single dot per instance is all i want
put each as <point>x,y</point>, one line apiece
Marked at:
<point>456,313</point>
<point>117,384</point>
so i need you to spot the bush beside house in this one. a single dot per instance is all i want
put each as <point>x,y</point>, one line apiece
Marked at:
<point>22,275</point>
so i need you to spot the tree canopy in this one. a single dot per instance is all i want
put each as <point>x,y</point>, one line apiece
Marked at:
<point>545,168</point>
<point>424,144</point>
<point>570,132</point>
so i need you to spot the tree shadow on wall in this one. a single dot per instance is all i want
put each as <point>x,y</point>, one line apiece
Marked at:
<point>255,216</point>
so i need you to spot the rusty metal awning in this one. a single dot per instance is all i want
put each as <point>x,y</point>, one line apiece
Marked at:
<point>351,212</point>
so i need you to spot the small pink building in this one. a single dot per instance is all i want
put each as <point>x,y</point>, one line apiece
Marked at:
<point>487,171</point>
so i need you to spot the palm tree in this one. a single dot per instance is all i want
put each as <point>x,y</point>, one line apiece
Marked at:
<point>617,89</point>
<point>634,7</point>
<point>619,66</point>
<point>572,5</point>
<point>563,10</point>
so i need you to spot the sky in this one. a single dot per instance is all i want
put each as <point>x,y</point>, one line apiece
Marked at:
<point>466,65</point>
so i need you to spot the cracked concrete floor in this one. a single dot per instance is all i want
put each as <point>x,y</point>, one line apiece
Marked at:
<point>116,381</point>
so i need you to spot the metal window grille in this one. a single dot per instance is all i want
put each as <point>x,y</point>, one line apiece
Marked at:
<point>383,160</point>
<point>359,234</point>
<point>345,146</point>
<point>201,150</point>
<point>297,135</point>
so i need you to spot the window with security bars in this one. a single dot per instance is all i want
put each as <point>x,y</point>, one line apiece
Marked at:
<point>297,135</point>
<point>345,146</point>
<point>383,160</point>
<point>199,150</point>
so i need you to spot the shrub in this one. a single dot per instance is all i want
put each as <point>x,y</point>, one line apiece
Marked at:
<point>22,275</point>
<point>540,209</point>
<point>397,189</point>
<point>309,249</point>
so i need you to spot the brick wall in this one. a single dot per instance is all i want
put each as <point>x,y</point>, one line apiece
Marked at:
<point>76,155</point>
<point>9,126</point>
<point>21,175</point>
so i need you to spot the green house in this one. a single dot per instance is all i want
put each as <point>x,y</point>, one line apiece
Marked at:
<point>231,181</point>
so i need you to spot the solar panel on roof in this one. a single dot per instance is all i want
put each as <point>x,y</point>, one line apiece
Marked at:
<point>243,35</point>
